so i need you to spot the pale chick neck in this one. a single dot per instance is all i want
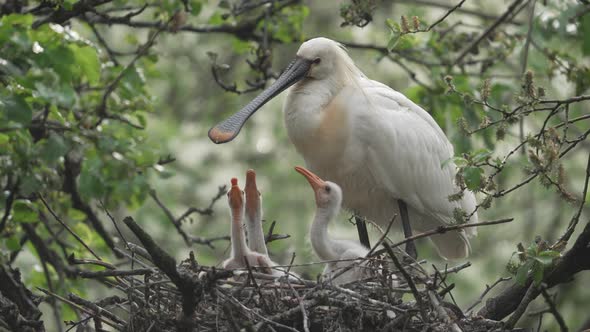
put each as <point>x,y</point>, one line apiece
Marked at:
<point>254,228</point>
<point>239,249</point>
<point>321,242</point>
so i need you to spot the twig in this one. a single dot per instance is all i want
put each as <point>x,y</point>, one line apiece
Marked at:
<point>79,239</point>
<point>576,218</point>
<point>114,222</point>
<point>7,207</point>
<point>243,307</point>
<point>383,236</point>
<point>98,310</point>
<point>485,292</point>
<point>441,311</point>
<point>525,55</point>
<point>221,190</point>
<point>452,9</point>
<point>141,51</point>
<point>489,30</point>
<point>553,309</point>
<point>419,301</point>
<point>444,229</point>
<point>529,296</point>
<point>252,280</point>
<point>114,273</point>
<point>476,13</point>
<point>170,216</point>
<point>167,264</point>
<point>81,308</point>
<point>270,236</point>
<point>301,305</point>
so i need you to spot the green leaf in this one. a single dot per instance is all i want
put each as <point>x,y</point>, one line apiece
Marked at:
<point>16,109</point>
<point>550,253</point>
<point>522,272</point>
<point>393,40</point>
<point>241,46</point>
<point>544,260</point>
<point>4,139</point>
<point>481,155</point>
<point>458,161</point>
<point>90,182</point>
<point>538,270</point>
<point>472,177</point>
<point>585,33</point>
<point>88,62</point>
<point>30,184</point>
<point>76,214</point>
<point>53,148</point>
<point>12,243</point>
<point>196,7</point>
<point>405,42</point>
<point>63,95</point>
<point>23,211</point>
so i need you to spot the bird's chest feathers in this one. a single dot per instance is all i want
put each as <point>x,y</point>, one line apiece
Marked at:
<point>319,131</point>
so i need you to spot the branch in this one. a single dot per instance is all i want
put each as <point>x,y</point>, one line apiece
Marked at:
<point>409,280</point>
<point>452,9</point>
<point>553,309</point>
<point>72,167</point>
<point>78,238</point>
<point>572,262</point>
<point>489,30</point>
<point>444,229</point>
<point>477,13</point>
<point>61,15</point>
<point>531,293</point>
<point>576,218</point>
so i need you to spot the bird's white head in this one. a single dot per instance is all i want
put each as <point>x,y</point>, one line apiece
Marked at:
<point>318,58</point>
<point>327,194</point>
<point>327,58</point>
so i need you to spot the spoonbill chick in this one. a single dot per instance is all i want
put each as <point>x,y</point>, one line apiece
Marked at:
<point>240,253</point>
<point>328,198</point>
<point>254,231</point>
<point>388,154</point>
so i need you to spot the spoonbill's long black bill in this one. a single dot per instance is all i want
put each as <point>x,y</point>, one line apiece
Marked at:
<point>228,129</point>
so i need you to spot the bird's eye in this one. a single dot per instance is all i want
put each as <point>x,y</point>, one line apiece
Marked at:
<point>317,61</point>
<point>327,188</point>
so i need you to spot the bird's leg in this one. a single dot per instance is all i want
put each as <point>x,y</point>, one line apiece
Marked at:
<point>410,246</point>
<point>361,227</point>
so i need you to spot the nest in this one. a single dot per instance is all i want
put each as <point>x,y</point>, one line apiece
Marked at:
<point>159,295</point>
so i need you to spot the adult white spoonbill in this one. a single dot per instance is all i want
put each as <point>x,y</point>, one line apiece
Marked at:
<point>328,198</point>
<point>240,253</point>
<point>254,231</point>
<point>370,139</point>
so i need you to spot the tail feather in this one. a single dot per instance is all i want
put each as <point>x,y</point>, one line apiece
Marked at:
<point>452,245</point>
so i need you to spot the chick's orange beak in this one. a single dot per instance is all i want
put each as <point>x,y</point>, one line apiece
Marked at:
<point>235,194</point>
<point>315,181</point>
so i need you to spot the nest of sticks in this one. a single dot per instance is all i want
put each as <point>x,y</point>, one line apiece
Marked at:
<point>157,294</point>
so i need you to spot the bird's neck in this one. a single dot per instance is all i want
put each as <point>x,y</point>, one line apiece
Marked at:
<point>255,234</point>
<point>322,244</point>
<point>238,242</point>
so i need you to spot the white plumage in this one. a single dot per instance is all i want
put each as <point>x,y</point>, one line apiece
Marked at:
<point>339,253</point>
<point>376,144</point>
